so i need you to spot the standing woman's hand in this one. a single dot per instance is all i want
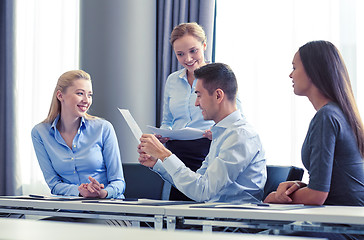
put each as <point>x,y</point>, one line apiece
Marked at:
<point>208,134</point>
<point>162,139</point>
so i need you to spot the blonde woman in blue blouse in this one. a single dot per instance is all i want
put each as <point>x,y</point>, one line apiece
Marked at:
<point>78,153</point>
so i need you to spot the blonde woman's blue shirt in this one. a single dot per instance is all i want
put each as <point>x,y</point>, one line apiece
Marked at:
<point>179,110</point>
<point>95,153</point>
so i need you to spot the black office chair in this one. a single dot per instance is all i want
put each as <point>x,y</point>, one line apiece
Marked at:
<point>141,182</point>
<point>278,174</point>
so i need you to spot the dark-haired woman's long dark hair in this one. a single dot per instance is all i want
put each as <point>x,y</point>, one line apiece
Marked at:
<point>324,65</point>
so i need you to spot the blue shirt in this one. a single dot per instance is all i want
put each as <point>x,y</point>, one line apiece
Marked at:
<point>179,110</point>
<point>331,155</point>
<point>233,171</point>
<point>95,153</point>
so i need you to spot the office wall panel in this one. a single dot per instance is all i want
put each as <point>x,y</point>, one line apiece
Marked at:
<point>117,47</point>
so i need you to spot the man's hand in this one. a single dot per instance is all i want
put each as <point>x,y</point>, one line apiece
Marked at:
<point>151,146</point>
<point>146,159</point>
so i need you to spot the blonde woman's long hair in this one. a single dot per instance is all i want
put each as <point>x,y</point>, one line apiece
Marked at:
<point>64,81</point>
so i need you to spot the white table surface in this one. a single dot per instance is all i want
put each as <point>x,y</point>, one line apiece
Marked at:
<point>353,216</point>
<point>324,214</point>
<point>19,229</point>
<point>78,205</point>
<point>79,209</point>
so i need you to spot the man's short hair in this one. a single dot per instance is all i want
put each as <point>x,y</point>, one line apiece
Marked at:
<point>218,76</point>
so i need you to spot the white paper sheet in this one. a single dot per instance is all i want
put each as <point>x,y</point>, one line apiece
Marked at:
<point>180,134</point>
<point>135,129</point>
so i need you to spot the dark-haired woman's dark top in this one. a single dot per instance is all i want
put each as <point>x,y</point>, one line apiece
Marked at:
<point>330,154</point>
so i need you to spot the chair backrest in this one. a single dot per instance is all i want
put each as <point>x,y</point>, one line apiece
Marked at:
<point>278,174</point>
<point>141,182</point>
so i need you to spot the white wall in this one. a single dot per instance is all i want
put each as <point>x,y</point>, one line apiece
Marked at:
<point>117,47</point>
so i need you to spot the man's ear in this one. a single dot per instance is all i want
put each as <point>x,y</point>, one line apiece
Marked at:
<point>59,95</point>
<point>219,95</point>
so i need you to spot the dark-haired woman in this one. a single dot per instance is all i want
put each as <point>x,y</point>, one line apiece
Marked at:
<point>334,146</point>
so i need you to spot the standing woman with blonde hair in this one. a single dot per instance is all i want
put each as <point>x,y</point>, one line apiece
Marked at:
<point>179,111</point>
<point>78,153</point>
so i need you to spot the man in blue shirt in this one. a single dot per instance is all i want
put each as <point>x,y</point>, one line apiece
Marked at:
<point>235,168</point>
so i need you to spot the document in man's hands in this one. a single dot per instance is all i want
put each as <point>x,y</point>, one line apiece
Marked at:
<point>180,134</point>
<point>131,123</point>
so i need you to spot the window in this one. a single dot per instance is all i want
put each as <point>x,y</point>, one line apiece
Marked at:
<point>46,40</point>
<point>258,40</point>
